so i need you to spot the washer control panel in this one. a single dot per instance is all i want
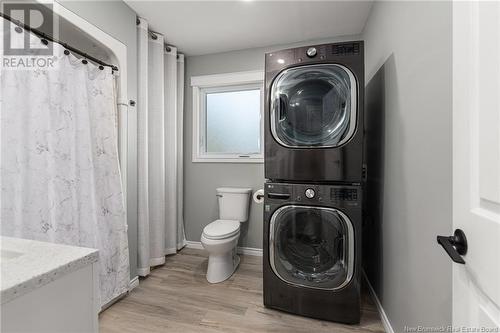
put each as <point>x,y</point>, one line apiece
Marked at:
<point>315,194</point>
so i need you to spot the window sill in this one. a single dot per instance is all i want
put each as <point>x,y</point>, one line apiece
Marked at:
<point>205,159</point>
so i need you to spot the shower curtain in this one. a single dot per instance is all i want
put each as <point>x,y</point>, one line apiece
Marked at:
<point>60,174</point>
<point>160,120</point>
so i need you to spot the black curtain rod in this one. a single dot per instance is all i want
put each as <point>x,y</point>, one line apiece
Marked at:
<point>52,39</point>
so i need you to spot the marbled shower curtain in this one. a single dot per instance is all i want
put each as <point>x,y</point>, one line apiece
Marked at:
<point>60,174</point>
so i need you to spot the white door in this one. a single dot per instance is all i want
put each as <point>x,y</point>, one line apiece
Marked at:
<point>476,163</point>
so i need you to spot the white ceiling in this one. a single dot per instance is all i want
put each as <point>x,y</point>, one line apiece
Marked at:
<point>203,27</point>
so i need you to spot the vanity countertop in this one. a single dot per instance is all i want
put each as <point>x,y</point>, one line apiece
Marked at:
<point>27,265</point>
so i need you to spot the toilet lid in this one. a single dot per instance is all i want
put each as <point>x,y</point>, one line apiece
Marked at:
<point>220,229</point>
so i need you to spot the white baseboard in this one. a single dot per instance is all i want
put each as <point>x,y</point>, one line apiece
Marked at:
<point>249,251</point>
<point>383,316</point>
<point>133,283</point>
<point>194,245</point>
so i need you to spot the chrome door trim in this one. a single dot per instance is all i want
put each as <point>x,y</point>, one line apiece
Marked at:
<point>354,109</point>
<point>350,251</point>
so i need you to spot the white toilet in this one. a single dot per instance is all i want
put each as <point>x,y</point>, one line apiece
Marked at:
<point>220,237</point>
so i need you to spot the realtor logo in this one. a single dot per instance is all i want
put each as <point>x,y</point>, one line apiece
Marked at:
<point>22,49</point>
<point>31,15</point>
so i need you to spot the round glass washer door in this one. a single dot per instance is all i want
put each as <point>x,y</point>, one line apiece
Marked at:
<point>313,106</point>
<point>312,246</point>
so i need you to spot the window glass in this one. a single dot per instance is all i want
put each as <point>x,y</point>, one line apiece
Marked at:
<point>310,247</point>
<point>312,106</point>
<point>233,122</point>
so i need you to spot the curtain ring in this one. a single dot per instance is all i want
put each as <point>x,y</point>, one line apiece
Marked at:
<point>18,29</point>
<point>84,61</point>
<point>66,52</point>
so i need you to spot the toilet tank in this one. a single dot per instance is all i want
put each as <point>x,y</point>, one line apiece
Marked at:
<point>234,203</point>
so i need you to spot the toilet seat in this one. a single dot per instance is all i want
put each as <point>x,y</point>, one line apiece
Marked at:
<point>221,229</point>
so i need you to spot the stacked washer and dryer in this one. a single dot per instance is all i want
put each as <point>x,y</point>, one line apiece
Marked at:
<point>314,171</point>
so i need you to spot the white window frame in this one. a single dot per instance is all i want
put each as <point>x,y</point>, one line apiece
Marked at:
<point>223,82</point>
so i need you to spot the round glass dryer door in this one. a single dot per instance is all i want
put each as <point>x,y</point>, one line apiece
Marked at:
<point>314,106</point>
<point>312,246</point>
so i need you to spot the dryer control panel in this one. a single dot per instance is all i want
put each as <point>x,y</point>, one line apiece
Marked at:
<point>344,52</point>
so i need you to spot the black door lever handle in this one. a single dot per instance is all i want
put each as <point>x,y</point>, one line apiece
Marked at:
<point>455,246</point>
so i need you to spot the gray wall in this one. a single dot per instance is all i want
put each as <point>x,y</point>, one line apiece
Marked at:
<point>201,179</point>
<point>118,20</point>
<point>408,49</point>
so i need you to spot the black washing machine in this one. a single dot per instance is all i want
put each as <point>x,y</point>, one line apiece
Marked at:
<point>314,113</point>
<point>312,250</point>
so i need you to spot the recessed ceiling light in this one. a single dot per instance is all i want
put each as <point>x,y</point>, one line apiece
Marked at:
<point>281,61</point>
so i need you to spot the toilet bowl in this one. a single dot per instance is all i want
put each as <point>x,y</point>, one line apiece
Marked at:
<point>220,242</point>
<point>220,237</point>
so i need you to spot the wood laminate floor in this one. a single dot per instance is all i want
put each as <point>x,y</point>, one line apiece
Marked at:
<point>177,298</point>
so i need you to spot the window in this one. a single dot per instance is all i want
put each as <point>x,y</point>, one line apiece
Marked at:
<point>227,117</point>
